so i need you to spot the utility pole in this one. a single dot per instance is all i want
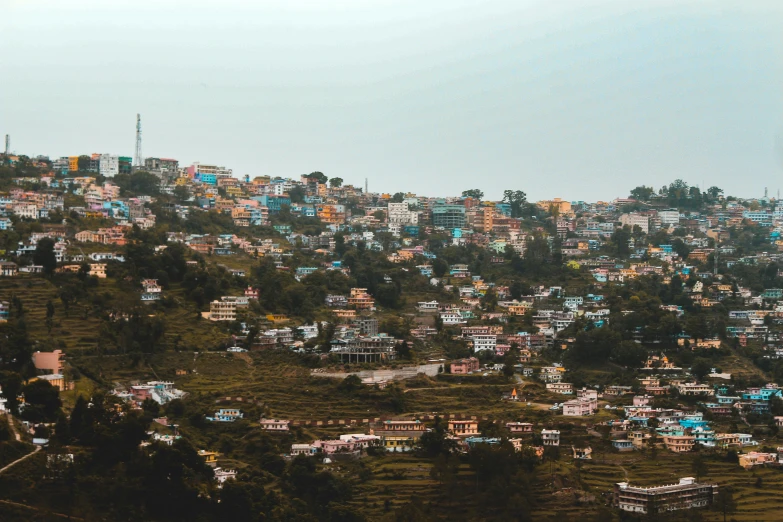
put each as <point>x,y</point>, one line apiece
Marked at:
<point>138,160</point>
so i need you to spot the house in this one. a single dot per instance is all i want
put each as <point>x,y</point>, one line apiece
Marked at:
<point>623,444</point>
<point>550,437</point>
<point>415,426</point>
<point>303,449</point>
<point>226,415</point>
<point>275,425</point>
<point>209,457</point>
<point>463,428</point>
<point>398,443</point>
<point>8,269</point>
<point>151,290</point>
<point>222,475</point>
<point>582,453</point>
<point>519,427</point>
<point>580,407</point>
<point>464,366</point>
<point>50,362</point>
<point>687,494</point>
<point>752,459</point>
<point>564,388</point>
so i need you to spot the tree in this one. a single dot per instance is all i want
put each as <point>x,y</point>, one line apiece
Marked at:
<point>398,197</point>
<point>642,193</point>
<point>473,193</point>
<point>439,267</point>
<point>620,239</point>
<point>725,503</point>
<point>699,467</point>
<point>336,182</point>
<point>516,199</point>
<point>44,255</point>
<point>701,368</point>
<point>42,401</point>
<point>715,192</point>
<point>318,177</point>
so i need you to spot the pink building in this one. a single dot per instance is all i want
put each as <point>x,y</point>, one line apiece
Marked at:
<point>519,427</point>
<point>274,424</point>
<point>51,362</point>
<point>464,366</point>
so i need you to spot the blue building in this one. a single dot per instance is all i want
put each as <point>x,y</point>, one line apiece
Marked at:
<point>273,203</point>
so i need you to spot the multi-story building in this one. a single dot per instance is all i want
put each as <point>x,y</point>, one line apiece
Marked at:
<point>463,428</point>
<point>223,311</point>
<point>109,165</point>
<point>670,217</point>
<point>633,219</point>
<point>550,437</point>
<point>565,388</point>
<point>661,499</point>
<point>400,213</point>
<point>464,366</point>
<point>580,407</point>
<point>448,216</point>
<point>484,342</point>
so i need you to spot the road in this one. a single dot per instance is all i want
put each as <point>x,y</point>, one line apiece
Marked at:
<point>17,461</point>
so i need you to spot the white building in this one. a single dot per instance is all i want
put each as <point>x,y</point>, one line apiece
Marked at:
<point>484,342</point>
<point>109,165</point>
<point>635,219</point>
<point>399,213</point>
<point>550,437</point>
<point>669,217</point>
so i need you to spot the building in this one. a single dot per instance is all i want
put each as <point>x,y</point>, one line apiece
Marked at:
<point>550,437</point>
<point>519,427</point>
<point>275,425</point>
<point>463,428</point>
<point>226,415</point>
<point>448,216</point>
<point>109,165</point>
<point>580,407</point>
<point>367,326</point>
<point>464,366</point>
<point>749,460</point>
<point>564,388</point>
<point>379,348</point>
<point>223,311</point>
<point>484,342</point>
<point>50,362</point>
<point>633,219</point>
<point>687,494</point>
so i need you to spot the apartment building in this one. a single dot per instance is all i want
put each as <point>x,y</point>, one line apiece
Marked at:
<point>687,494</point>
<point>580,407</point>
<point>633,219</point>
<point>399,213</point>
<point>564,388</point>
<point>223,311</point>
<point>464,366</point>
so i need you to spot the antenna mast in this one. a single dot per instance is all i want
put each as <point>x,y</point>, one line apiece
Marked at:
<point>138,160</point>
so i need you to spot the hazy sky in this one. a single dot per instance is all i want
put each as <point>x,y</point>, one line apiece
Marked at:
<point>573,99</point>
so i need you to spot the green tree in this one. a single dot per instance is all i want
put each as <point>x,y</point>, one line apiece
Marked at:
<point>439,267</point>
<point>516,199</point>
<point>44,255</point>
<point>699,467</point>
<point>724,502</point>
<point>42,401</point>
<point>473,193</point>
<point>318,177</point>
<point>336,182</point>
<point>642,193</point>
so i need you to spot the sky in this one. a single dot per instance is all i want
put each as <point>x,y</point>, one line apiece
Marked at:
<point>581,100</point>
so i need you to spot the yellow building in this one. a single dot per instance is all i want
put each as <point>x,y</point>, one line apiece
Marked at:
<point>73,163</point>
<point>557,205</point>
<point>210,457</point>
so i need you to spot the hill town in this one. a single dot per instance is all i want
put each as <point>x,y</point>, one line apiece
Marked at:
<point>188,343</point>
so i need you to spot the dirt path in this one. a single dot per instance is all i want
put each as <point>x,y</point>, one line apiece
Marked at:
<point>17,461</point>
<point>25,506</point>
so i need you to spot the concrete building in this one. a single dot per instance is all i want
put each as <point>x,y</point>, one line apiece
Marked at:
<point>448,216</point>
<point>50,362</point>
<point>635,219</point>
<point>109,165</point>
<point>687,494</point>
<point>579,407</point>
<point>464,366</point>
<point>550,437</point>
<point>223,311</point>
